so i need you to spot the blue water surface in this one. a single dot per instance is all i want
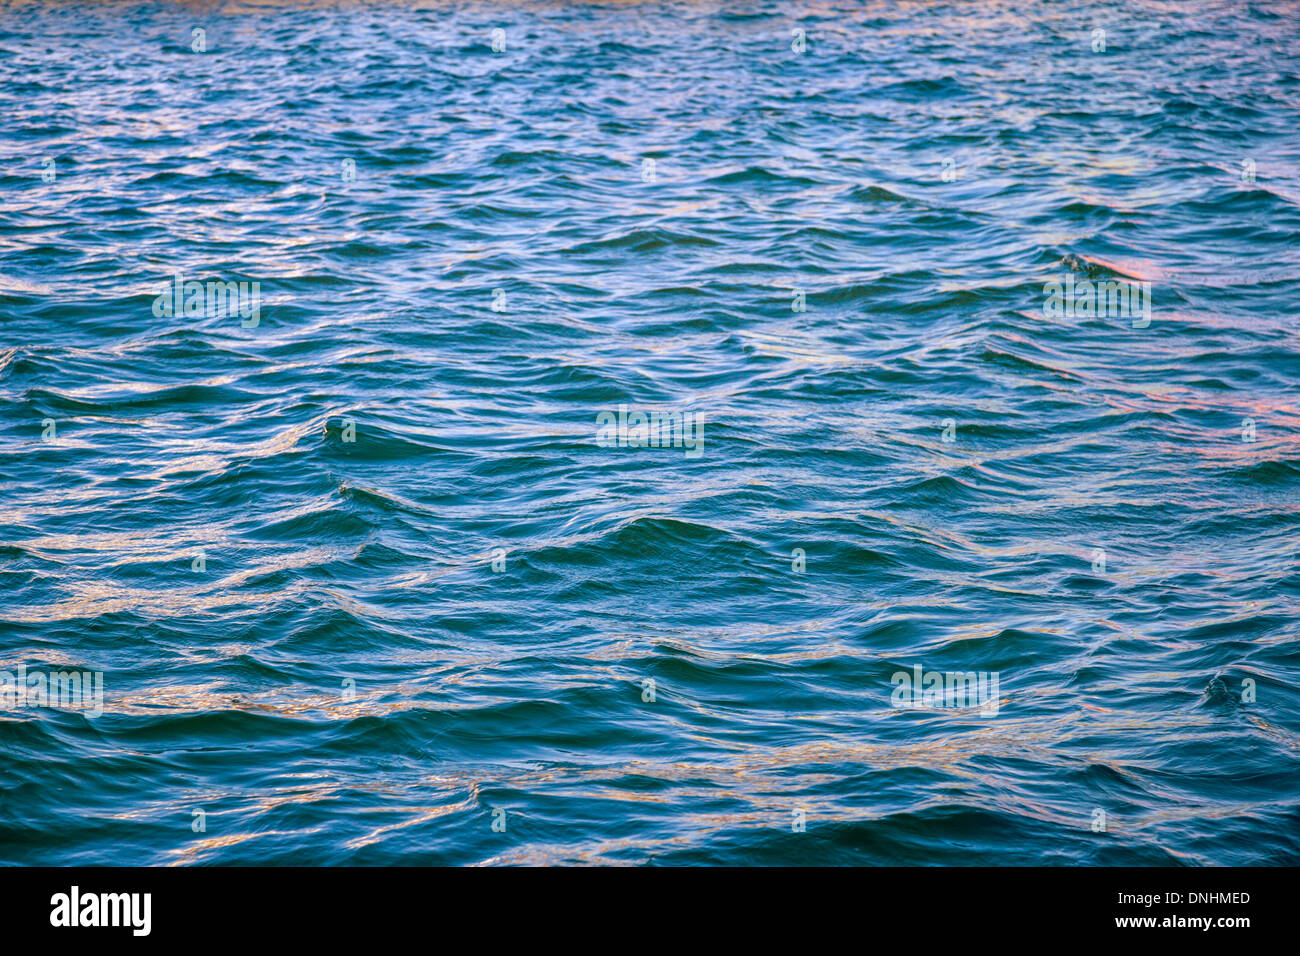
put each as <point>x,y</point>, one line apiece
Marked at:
<point>368,583</point>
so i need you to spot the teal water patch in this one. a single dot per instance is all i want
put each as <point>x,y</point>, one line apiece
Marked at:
<point>591,409</point>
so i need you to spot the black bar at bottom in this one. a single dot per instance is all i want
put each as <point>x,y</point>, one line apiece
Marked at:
<point>337,906</point>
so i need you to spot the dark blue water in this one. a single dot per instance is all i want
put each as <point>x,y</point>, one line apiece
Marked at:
<point>368,581</point>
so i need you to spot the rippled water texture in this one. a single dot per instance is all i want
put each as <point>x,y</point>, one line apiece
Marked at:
<point>363,572</point>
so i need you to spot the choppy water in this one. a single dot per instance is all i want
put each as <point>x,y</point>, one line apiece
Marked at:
<point>1070,502</point>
